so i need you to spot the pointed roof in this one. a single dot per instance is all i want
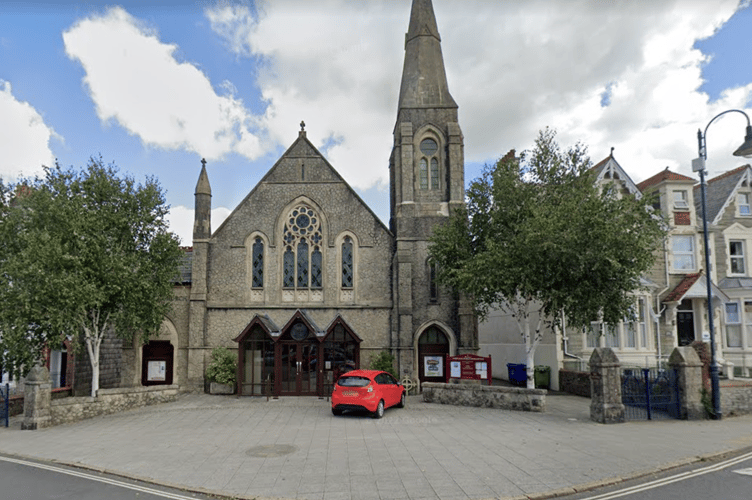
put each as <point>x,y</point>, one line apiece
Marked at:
<point>692,287</point>
<point>609,169</point>
<point>663,175</point>
<point>719,191</point>
<point>202,186</point>
<point>424,82</point>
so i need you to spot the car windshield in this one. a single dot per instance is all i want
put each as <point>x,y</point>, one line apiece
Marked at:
<point>353,381</point>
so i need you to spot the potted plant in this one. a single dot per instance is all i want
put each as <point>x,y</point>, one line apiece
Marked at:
<point>221,371</point>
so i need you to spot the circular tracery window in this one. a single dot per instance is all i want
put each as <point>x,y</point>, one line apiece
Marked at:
<point>302,222</point>
<point>428,147</point>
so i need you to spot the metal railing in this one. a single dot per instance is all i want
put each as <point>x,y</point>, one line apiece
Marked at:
<point>650,393</point>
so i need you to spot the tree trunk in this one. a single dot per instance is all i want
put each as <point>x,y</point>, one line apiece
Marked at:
<point>93,340</point>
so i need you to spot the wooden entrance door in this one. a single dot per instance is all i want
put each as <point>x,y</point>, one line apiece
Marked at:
<point>433,349</point>
<point>298,368</point>
<point>685,323</point>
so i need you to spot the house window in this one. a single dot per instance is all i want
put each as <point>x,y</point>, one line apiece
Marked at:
<point>258,263</point>
<point>347,263</point>
<point>612,336</point>
<point>683,247</point>
<point>302,261</point>
<point>680,200</point>
<point>592,333</point>
<point>733,325</point>
<point>748,321</point>
<point>742,201</point>
<point>736,252</point>
<point>429,148</point>
<point>642,321</point>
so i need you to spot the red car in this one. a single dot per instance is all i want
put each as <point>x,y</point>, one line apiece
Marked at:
<point>370,390</point>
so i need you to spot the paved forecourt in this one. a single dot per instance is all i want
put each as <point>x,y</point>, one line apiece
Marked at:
<point>295,448</point>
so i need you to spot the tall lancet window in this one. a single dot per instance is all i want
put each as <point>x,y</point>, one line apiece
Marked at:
<point>347,263</point>
<point>429,148</point>
<point>258,263</point>
<point>302,263</point>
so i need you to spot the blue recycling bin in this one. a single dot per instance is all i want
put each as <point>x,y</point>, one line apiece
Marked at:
<point>517,373</point>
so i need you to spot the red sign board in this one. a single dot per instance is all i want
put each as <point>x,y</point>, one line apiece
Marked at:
<point>469,367</point>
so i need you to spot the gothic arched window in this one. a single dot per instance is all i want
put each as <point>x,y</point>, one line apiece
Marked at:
<point>429,148</point>
<point>258,263</point>
<point>302,265</point>
<point>347,262</point>
<point>433,283</point>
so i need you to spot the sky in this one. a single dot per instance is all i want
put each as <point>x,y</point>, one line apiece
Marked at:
<point>154,87</point>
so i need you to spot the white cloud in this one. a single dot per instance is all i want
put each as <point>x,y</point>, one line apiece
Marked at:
<point>24,137</point>
<point>135,80</point>
<point>180,220</point>
<point>513,67</point>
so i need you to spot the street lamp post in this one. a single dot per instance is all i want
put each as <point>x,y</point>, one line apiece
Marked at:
<point>698,165</point>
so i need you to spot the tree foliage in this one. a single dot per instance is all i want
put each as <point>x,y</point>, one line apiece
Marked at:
<point>82,252</point>
<point>223,366</point>
<point>539,238</point>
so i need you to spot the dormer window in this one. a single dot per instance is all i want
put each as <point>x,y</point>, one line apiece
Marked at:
<point>680,200</point>
<point>742,201</point>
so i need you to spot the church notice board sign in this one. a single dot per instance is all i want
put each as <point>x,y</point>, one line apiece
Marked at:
<point>469,367</point>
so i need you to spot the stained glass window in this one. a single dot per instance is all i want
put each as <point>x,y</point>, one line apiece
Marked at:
<point>423,174</point>
<point>258,263</point>
<point>434,173</point>
<point>289,268</point>
<point>303,267</point>
<point>316,281</point>
<point>347,263</point>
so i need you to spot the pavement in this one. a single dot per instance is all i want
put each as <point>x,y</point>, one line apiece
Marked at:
<point>295,448</point>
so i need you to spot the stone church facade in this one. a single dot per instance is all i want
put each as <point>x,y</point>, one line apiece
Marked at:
<point>305,281</point>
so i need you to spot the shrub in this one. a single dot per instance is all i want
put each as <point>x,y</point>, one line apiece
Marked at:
<point>223,366</point>
<point>384,361</point>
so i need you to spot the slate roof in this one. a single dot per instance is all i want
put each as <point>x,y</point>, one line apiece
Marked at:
<point>718,190</point>
<point>663,175</point>
<point>731,283</point>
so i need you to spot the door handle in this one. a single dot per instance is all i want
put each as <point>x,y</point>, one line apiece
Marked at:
<point>300,366</point>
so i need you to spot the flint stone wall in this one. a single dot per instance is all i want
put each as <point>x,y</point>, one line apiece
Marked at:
<point>67,410</point>
<point>485,396</point>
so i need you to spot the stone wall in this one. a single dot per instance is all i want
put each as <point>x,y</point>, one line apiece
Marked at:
<point>485,396</point>
<point>577,383</point>
<point>736,398</point>
<point>66,410</point>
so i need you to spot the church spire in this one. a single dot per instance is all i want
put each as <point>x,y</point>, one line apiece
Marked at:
<point>202,213</point>
<point>424,82</point>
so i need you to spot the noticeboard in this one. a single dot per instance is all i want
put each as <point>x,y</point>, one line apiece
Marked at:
<point>469,367</point>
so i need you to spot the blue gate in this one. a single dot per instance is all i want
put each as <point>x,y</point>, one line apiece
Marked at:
<point>4,395</point>
<point>650,393</point>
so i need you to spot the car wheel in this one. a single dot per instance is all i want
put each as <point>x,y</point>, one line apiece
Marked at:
<point>403,401</point>
<point>379,410</point>
<point>336,412</point>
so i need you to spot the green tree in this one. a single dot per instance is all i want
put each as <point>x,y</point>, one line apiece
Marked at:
<point>539,239</point>
<point>82,253</point>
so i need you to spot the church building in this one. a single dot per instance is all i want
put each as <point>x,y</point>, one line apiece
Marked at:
<point>305,281</point>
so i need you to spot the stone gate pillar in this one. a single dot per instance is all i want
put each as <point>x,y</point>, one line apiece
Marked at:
<point>605,387</point>
<point>689,380</point>
<point>37,397</point>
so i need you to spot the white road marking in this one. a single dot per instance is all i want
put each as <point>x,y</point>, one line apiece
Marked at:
<point>672,479</point>
<point>113,482</point>
<point>747,471</point>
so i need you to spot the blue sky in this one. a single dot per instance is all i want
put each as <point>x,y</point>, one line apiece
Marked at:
<point>155,89</point>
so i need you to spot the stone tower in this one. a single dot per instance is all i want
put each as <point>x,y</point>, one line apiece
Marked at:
<point>427,183</point>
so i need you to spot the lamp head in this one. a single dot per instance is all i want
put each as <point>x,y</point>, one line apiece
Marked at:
<point>745,149</point>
